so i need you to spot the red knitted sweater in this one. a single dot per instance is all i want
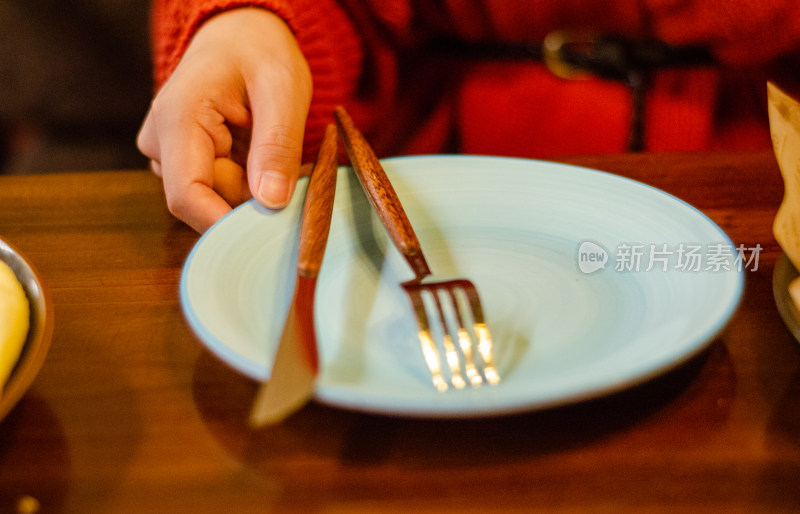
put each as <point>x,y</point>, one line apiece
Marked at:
<point>372,56</point>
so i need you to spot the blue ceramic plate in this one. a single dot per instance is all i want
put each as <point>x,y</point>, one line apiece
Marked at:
<point>591,283</point>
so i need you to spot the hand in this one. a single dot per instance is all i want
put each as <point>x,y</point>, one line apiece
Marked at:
<point>228,124</point>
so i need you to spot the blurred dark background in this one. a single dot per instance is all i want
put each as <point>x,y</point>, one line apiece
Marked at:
<point>75,84</point>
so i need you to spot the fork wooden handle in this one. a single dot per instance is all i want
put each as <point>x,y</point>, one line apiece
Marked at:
<point>381,194</point>
<point>318,207</point>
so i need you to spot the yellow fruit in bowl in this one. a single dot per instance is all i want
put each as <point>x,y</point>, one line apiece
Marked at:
<point>14,321</point>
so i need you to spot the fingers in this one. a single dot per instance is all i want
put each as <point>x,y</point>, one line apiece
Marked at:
<point>230,182</point>
<point>186,136</point>
<point>207,192</point>
<point>188,154</point>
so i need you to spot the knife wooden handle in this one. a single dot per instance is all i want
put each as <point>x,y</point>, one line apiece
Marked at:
<point>381,194</point>
<point>318,207</point>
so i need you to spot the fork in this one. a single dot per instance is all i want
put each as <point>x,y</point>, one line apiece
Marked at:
<point>453,304</point>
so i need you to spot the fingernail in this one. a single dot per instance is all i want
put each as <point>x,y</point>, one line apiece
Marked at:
<point>273,189</point>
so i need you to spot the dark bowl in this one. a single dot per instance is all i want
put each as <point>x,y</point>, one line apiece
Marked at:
<point>37,344</point>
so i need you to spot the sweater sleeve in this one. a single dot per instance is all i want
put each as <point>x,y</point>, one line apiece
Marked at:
<point>739,32</point>
<point>323,31</point>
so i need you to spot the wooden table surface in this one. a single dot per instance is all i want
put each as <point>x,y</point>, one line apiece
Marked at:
<point>131,414</point>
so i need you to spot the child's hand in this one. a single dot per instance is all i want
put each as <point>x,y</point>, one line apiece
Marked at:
<point>229,122</point>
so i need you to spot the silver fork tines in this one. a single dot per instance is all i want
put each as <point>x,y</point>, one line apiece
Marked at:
<point>463,338</point>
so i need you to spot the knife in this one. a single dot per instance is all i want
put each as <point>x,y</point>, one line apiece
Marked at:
<point>291,381</point>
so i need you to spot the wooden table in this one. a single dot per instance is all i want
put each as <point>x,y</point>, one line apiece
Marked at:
<point>131,414</point>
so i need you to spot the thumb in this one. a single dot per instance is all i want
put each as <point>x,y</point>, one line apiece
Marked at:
<point>276,148</point>
<point>274,165</point>
<point>279,87</point>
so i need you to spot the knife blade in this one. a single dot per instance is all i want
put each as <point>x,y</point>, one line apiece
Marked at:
<point>294,371</point>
